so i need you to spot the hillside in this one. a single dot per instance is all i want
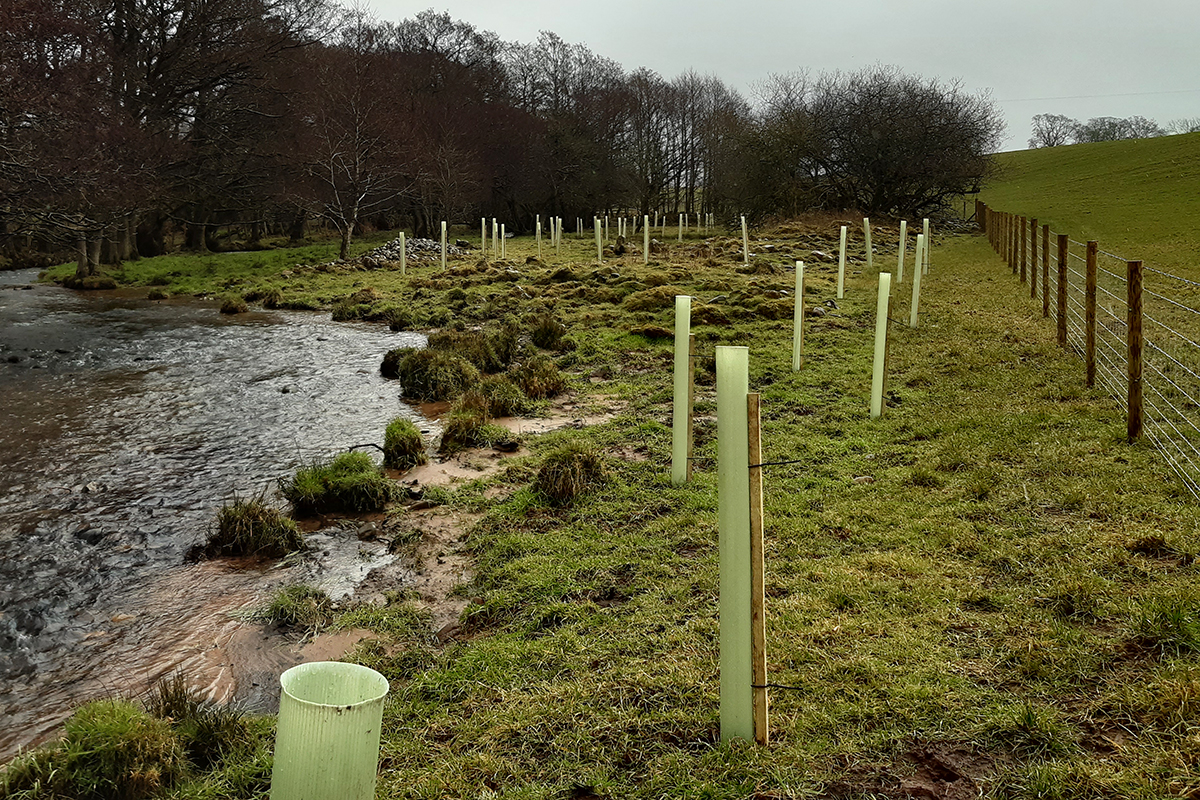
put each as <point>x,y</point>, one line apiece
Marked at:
<point>1138,198</point>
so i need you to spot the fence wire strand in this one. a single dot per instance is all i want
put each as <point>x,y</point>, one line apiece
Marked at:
<point>1170,364</point>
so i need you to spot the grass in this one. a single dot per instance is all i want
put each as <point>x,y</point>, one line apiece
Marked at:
<point>300,606</point>
<point>1013,580</point>
<point>347,482</point>
<point>1132,196</point>
<point>250,528</point>
<point>403,445</point>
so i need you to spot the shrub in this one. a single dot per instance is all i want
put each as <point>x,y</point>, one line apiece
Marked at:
<point>250,527</point>
<point>349,482</point>
<point>504,398</point>
<point>234,304</point>
<point>403,446</point>
<point>539,378</point>
<point>435,374</point>
<point>568,472</point>
<point>547,331</point>
<point>302,606</point>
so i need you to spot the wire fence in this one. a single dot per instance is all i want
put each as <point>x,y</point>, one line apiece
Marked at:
<point>1142,345</point>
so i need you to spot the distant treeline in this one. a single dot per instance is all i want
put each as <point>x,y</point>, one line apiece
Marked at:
<point>123,120</point>
<point>1052,130</point>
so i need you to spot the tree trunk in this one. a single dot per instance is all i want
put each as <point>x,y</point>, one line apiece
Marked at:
<point>296,231</point>
<point>347,232</point>
<point>149,239</point>
<point>94,255</point>
<point>81,266</point>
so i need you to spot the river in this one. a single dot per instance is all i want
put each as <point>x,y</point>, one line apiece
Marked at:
<point>124,425</point>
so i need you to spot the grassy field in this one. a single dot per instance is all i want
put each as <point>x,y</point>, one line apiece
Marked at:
<point>986,590</point>
<point>1137,198</point>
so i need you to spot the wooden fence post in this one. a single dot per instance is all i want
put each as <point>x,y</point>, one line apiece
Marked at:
<point>1062,290</point>
<point>1089,315</point>
<point>1045,271</point>
<point>1134,364</point>
<point>1033,264</point>
<point>691,404</point>
<point>758,615</point>
<point>1024,238</point>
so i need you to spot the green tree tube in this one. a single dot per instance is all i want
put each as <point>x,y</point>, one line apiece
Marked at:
<point>733,500</point>
<point>646,239</point>
<point>881,332</point>
<point>403,255</point>
<point>867,237</point>
<point>842,265</point>
<point>679,417</point>
<point>327,737</point>
<point>918,254</point>
<point>903,246</point>
<point>798,320</point>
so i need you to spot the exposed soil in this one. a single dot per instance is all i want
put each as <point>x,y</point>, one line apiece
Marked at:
<point>240,660</point>
<point>931,771</point>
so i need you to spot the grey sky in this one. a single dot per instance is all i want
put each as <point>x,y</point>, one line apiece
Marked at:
<point>1080,58</point>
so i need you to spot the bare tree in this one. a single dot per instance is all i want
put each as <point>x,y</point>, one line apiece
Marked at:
<point>1184,125</point>
<point>1052,130</point>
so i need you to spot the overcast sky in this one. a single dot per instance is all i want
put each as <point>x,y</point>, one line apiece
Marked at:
<point>1081,58</point>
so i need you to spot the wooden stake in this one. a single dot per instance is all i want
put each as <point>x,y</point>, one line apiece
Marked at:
<point>691,405</point>
<point>1024,238</point>
<point>443,244</point>
<point>1033,262</point>
<point>746,244</point>
<point>903,247</point>
<point>758,600</point>
<point>1133,271</point>
<point>1045,271</point>
<point>1062,290</point>
<point>1089,315</point>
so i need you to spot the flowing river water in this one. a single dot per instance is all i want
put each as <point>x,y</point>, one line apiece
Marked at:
<point>124,426</point>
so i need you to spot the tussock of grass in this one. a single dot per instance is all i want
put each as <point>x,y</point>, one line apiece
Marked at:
<point>248,528</point>
<point>504,398</point>
<point>234,304</point>
<point>432,375</point>
<point>539,377</point>
<point>110,749</point>
<point>300,606</point>
<point>403,445</point>
<point>568,472</point>
<point>348,482</point>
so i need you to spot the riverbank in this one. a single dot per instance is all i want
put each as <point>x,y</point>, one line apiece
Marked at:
<point>985,590</point>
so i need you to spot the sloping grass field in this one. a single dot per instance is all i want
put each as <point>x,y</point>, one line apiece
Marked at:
<point>1138,198</point>
<point>986,591</point>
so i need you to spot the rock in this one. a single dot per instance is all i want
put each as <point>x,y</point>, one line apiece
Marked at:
<point>463,244</point>
<point>822,255</point>
<point>864,479</point>
<point>815,311</point>
<point>93,488</point>
<point>368,531</point>
<point>831,303</point>
<point>721,298</point>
